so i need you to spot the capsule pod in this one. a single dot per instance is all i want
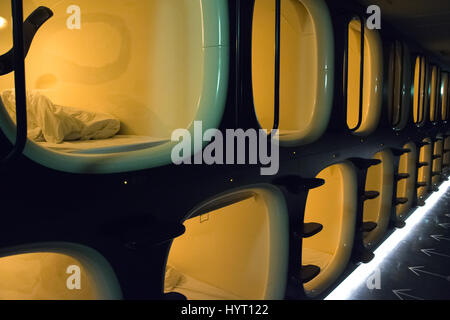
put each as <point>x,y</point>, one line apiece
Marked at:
<point>364,85</point>
<point>420,97</point>
<point>406,186</point>
<point>380,178</point>
<point>236,247</point>
<point>334,206</point>
<point>434,93</point>
<point>399,85</point>
<point>306,68</point>
<point>424,172</point>
<point>108,82</point>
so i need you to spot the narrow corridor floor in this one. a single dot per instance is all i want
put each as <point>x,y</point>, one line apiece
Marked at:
<point>414,265</point>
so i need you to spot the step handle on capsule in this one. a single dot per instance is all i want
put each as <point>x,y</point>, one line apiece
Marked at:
<point>310,229</point>
<point>401,176</point>
<point>307,273</point>
<point>368,226</point>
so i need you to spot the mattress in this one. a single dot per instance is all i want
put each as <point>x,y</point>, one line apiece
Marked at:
<point>316,257</point>
<point>116,144</point>
<point>194,289</point>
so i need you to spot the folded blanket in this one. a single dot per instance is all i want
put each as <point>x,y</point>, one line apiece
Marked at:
<point>53,123</point>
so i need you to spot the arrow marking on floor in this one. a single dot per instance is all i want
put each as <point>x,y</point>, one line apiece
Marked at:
<point>439,237</point>
<point>416,271</point>
<point>444,225</point>
<point>400,293</point>
<point>429,252</point>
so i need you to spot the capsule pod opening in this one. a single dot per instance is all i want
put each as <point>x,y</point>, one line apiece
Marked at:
<point>333,205</point>
<point>108,82</point>
<point>363,97</point>
<point>424,173</point>
<point>406,186</point>
<point>399,85</point>
<point>420,97</point>
<point>434,93</point>
<point>306,68</point>
<point>38,274</point>
<point>237,248</point>
<point>380,178</point>
<point>438,150</point>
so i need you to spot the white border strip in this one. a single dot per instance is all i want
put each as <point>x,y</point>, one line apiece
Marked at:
<point>359,276</point>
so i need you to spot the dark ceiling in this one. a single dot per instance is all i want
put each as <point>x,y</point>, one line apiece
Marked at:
<point>425,21</point>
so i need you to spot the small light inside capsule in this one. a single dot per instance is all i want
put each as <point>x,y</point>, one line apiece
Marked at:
<point>3,23</point>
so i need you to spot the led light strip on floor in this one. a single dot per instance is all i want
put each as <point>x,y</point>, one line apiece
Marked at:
<point>347,287</point>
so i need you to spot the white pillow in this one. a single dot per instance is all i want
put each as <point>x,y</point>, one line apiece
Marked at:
<point>55,124</point>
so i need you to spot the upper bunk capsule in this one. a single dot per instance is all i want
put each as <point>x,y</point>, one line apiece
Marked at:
<point>363,78</point>
<point>399,85</point>
<point>420,89</point>
<point>435,94</point>
<point>150,67</point>
<point>306,68</point>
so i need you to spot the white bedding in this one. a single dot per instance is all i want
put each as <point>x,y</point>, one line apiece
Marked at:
<point>48,122</point>
<point>192,288</point>
<point>118,143</point>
